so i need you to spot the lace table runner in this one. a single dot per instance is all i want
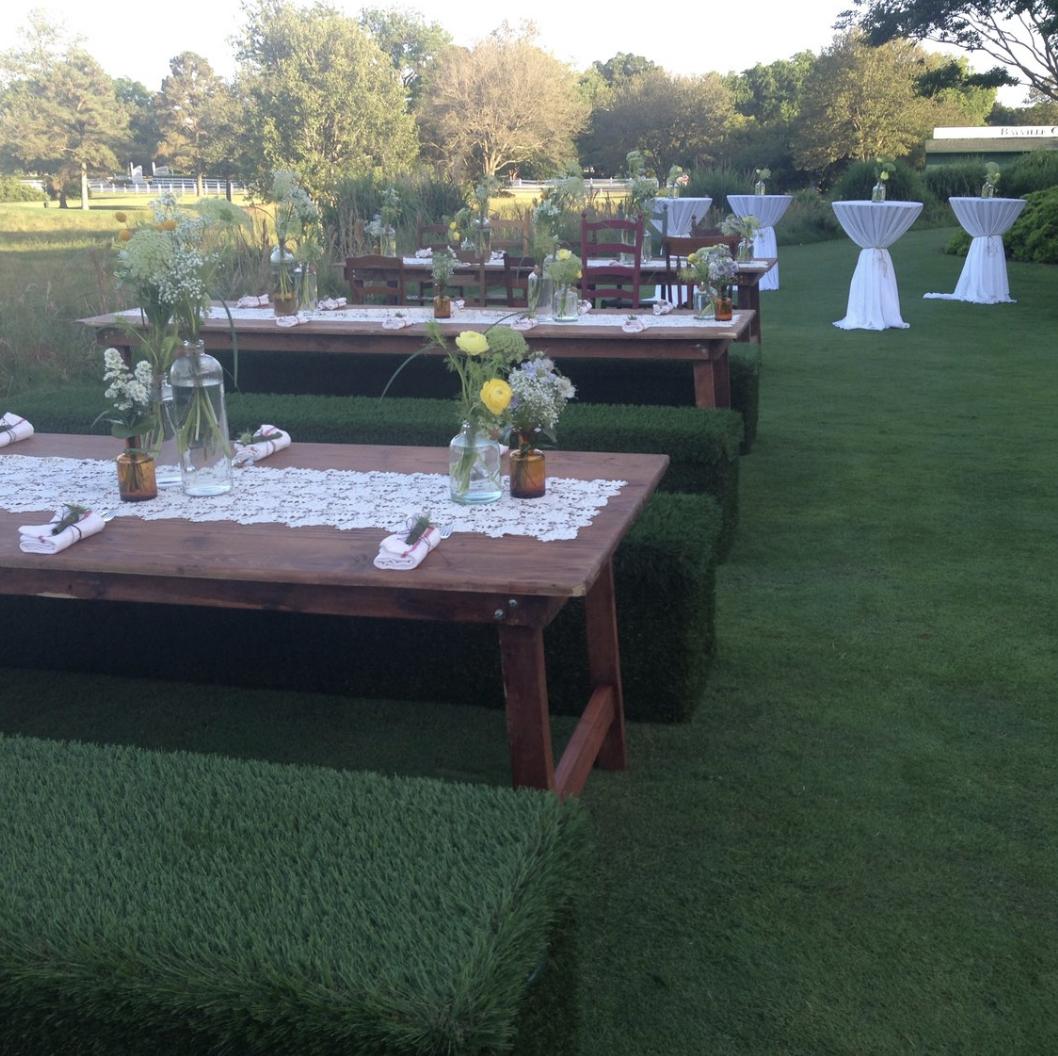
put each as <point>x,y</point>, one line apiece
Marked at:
<point>417,316</point>
<point>340,498</point>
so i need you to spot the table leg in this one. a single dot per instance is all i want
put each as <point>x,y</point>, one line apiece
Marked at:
<point>604,664</point>
<point>528,718</point>
<point>749,298</point>
<point>712,380</point>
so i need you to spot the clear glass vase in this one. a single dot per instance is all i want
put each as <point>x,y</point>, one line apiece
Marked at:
<point>161,440</point>
<point>474,467</point>
<point>878,193</point>
<point>542,292</point>
<point>481,236</point>
<point>704,303</point>
<point>987,190</point>
<point>201,421</point>
<point>284,281</point>
<point>387,242</point>
<point>307,282</point>
<point>745,249</point>
<point>759,187</point>
<point>566,303</point>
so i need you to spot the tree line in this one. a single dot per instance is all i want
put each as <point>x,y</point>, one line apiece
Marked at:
<point>387,93</point>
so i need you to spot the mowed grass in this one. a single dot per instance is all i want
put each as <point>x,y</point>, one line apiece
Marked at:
<point>851,849</point>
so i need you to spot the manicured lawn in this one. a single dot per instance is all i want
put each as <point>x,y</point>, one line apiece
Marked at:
<point>851,850</point>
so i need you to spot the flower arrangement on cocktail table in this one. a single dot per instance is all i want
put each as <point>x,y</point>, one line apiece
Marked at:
<point>763,175</point>
<point>678,179</point>
<point>988,188</point>
<point>885,167</point>
<point>746,228</point>
<point>297,224</point>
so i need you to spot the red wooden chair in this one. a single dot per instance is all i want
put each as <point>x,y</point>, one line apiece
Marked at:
<point>606,241</point>
<point>379,278</point>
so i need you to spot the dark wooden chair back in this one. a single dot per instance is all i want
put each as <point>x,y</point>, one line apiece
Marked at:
<point>379,278</point>
<point>516,272</point>
<point>471,278</point>
<point>616,285</point>
<point>512,236</point>
<point>430,236</point>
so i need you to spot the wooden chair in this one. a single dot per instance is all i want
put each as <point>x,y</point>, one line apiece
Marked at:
<point>676,251</point>
<point>430,236</point>
<point>470,278</point>
<point>516,272</point>
<point>616,285</point>
<point>512,236</point>
<point>375,277</point>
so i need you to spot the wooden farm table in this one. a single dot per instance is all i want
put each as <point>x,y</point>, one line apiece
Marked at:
<point>517,583</point>
<point>597,335</point>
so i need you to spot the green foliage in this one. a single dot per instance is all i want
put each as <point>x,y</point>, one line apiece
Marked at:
<point>962,180</point>
<point>717,182</point>
<point>905,184</point>
<point>1035,171</point>
<point>152,897</point>
<point>809,219</point>
<point>12,189</point>
<point>1034,235</point>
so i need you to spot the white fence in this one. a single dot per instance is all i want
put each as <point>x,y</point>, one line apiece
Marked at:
<point>175,184</point>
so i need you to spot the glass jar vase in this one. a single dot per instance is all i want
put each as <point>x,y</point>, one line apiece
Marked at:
<point>759,187</point>
<point>541,292</point>
<point>566,303</point>
<point>136,480</point>
<point>704,303</point>
<point>724,304</point>
<point>284,281</point>
<point>161,440</point>
<point>878,193</point>
<point>307,283</point>
<point>987,190</point>
<point>442,303</point>
<point>201,421</point>
<point>474,467</point>
<point>744,250</point>
<point>528,468</point>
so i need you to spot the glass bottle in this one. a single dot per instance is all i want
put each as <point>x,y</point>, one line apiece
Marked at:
<point>878,193</point>
<point>474,467</point>
<point>201,420</point>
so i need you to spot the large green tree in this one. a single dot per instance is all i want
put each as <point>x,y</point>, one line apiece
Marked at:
<point>322,97</point>
<point>505,102</point>
<point>60,115</point>
<point>193,106</point>
<point>1019,34</point>
<point>138,101</point>
<point>671,120</point>
<point>411,43</point>
<point>861,102</point>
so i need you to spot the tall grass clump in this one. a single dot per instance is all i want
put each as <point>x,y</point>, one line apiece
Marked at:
<point>1036,171</point>
<point>962,180</point>
<point>808,219</point>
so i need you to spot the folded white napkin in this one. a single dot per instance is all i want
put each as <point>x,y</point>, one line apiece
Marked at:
<point>662,307</point>
<point>394,552</point>
<point>37,538</point>
<point>524,323</point>
<point>261,448</point>
<point>17,429</point>
<point>250,301</point>
<point>291,320</point>
<point>396,322</point>
<point>633,326</point>
<point>331,304</point>
<point>424,254</point>
<point>584,307</point>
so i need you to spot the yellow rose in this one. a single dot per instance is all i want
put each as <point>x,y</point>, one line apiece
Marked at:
<point>453,226</point>
<point>472,343</point>
<point>496,395</point>
<point>563,254</point>
<point>121,218</point>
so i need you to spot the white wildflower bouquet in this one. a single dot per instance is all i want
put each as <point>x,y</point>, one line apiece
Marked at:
<point>539,392</point>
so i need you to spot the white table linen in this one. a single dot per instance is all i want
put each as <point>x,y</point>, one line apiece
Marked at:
<point>769,210</point>
<point>874,303</point>
<point>680,213</point>
<point>984,275</point>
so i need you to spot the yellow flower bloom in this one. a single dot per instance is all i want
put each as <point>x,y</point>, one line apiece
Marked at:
<point>563,254</point>
<point>472,343</point>
<point>121,218</point>
<point>496,395</point>
<point>453,226</point>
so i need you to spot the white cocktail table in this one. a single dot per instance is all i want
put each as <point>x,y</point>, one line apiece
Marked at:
<point>769,210</point>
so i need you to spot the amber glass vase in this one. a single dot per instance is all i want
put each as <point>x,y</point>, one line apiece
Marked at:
<point>136,479</point>
<point>724,304</point>
<point>528,469</point>
<point>442,304</point>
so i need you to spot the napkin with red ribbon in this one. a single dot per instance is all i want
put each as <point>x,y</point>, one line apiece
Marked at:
<point>13,429</point>
<point>396,322</point>
<point>70,525</point>
<point>265,441</point>
<point>395,552</point>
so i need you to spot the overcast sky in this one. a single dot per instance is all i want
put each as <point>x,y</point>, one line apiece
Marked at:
<point>683,39</point>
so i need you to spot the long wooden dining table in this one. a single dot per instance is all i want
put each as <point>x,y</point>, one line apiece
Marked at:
<point>599,334</point>
<point>517,582</point>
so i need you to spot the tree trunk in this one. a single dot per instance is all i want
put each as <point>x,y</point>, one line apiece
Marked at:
<point>84,185</point>
<point>198,184</point>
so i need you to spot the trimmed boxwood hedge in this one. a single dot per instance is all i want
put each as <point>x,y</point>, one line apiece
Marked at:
<point>194,904</point>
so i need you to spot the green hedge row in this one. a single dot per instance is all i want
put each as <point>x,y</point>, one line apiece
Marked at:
<point>193,904</point>
<point>664,573</point>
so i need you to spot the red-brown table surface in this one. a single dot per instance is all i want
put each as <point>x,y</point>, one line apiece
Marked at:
<point>517,583</point>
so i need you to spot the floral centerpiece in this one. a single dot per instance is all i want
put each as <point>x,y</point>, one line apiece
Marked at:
<point>714,272</point>
<point>383,227</point>
<point>297,224</point>
<point>763,175</point>
<point>131,418</point>
<point>470,228</point>
<point>442,264</point>
<point>678,179</point>
<point>746,228</point>
<point>882,173</point>
<point>988,188</point>
<point>539,392</point>
<point>564,270</point>
<point>641,189</point>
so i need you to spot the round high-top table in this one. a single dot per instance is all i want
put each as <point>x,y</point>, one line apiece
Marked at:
<point>874,303</point>
<point>672,216</point>
<point>769,210</point>
<point>984,275</point>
